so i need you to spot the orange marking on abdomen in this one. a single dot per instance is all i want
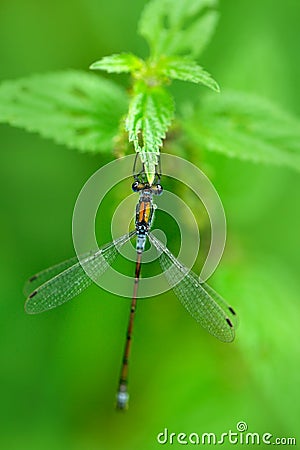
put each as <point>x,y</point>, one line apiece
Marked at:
<point>144,212</point>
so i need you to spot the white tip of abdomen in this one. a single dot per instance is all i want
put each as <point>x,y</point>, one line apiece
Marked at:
<point>122,400</point>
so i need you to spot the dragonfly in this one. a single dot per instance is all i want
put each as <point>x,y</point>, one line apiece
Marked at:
<point>59,284</point>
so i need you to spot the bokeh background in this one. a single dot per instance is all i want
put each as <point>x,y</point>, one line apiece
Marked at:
<point>59,370</point>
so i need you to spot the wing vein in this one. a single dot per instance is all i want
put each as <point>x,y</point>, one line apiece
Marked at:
<point>200,300</point>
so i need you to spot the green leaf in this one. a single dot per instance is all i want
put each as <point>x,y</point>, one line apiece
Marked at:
<point>245,127</point>
<point>187,70</point>
<point>74,108</point>
<point>123,62</point>
<point>150,113</point>
<point>174,27</point>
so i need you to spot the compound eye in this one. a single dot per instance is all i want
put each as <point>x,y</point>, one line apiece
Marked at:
<point>159,189</point>
<point>135,186</point>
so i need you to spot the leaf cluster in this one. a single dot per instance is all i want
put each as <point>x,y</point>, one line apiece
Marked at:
<point>90,113</point>
<point>172,30</point>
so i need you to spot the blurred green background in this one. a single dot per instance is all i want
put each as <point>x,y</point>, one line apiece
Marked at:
<point>59,370</point>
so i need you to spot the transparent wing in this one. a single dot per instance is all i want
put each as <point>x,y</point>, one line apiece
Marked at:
<point>64,281</point>
<point>222,303</point>
<point>201,301</point>
<point>40,278</point>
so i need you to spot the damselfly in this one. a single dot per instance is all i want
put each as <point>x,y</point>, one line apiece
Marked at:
<point>60,283</point>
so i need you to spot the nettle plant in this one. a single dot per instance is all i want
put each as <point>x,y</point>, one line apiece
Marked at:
<point>90,113</point>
